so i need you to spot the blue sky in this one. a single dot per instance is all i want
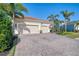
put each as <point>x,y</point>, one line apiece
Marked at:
<point>43,10</point>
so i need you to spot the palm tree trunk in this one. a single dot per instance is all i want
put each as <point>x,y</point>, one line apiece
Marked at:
<point>13,19</point>
<point>65,26</point>
<point>13,23</point>
<point>74,27</point>
<point>54,26</point>
<point>13,16</point>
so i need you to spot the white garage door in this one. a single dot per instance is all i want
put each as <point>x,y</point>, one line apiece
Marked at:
<point>31,29</point>
<point>28,29</point>
<point>45,31</point>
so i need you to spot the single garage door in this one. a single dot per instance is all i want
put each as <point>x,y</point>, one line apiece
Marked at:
<point>45,29</point>
<point>28,29</point>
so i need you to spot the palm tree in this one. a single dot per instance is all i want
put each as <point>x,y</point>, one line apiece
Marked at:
<point>66,14</point>
<point>14,10</point>
<point>54,20</point>
<point>8,12</point>
<point>17,11</point>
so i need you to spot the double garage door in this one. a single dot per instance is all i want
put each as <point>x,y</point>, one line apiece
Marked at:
<point>31,29</point>
<point>28,29</point>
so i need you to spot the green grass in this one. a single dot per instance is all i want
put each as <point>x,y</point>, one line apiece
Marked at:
<point>12,51</point>
<point>70,34</point>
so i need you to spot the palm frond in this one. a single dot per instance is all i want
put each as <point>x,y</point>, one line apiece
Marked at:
<point>19,14</point>
<point>20,7</point>
<point>67,14</point>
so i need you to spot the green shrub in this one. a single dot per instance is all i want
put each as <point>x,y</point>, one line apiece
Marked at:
<point>5,31</point>
<point>3,42</point>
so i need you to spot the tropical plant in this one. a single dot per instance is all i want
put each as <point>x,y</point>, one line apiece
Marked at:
<point>5,31</point>
<point>14,10</point>
<point>54,21</point>
<point>66,14</point>
<point>8,12</point>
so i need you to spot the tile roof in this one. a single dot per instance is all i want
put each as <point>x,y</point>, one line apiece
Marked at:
<point>31,19</point>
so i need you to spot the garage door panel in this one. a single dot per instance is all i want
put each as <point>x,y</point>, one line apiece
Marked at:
<point>28,29</point>
<point>45,29</point>
<point>25,32</point>
<point>31,29</point>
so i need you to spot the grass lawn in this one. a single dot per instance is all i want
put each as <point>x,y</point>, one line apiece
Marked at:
<point>12,51</point>
<point>70,34</point>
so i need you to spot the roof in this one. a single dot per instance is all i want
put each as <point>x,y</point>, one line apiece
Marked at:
<point>31,19</point>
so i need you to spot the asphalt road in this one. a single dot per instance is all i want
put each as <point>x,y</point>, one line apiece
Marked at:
<point>46,45</point>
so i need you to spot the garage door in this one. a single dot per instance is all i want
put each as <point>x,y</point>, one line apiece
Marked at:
<point>45,29</point>
<point>28,29</point>
<point>31,29</point>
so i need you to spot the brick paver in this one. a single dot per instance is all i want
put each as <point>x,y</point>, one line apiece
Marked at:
<point>46,45</point>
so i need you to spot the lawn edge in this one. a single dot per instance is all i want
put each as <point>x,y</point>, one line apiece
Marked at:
<point>12,51</point>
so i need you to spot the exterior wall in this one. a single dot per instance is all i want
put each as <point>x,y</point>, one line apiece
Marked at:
<point>70,27</point>
<point>77,27</point>
<point>28,28</point>
<point>33,23</point>
<point>25,27</point>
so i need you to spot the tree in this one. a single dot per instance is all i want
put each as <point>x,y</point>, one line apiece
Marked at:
<point>55,22</point>
<point>66,14</point>
<point>14,10</point>
<point>8,12</point>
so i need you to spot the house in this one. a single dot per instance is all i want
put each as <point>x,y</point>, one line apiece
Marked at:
<point>30,25</point>
<point>77,27</point>
<point>69,26</point>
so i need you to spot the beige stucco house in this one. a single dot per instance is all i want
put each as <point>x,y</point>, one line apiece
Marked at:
<point>30,25</point>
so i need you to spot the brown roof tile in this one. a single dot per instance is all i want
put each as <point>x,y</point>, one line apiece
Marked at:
<point>31,19</point>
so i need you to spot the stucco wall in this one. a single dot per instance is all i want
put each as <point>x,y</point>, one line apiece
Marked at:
<point>29,27</point>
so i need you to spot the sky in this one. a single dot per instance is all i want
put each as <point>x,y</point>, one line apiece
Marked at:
<point>43,10</point>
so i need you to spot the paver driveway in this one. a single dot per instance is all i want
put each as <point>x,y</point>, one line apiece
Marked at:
<point>46,45</point>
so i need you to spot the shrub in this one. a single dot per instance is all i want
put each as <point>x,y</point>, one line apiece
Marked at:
<point>5,31</point>
<point>3,42</point>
